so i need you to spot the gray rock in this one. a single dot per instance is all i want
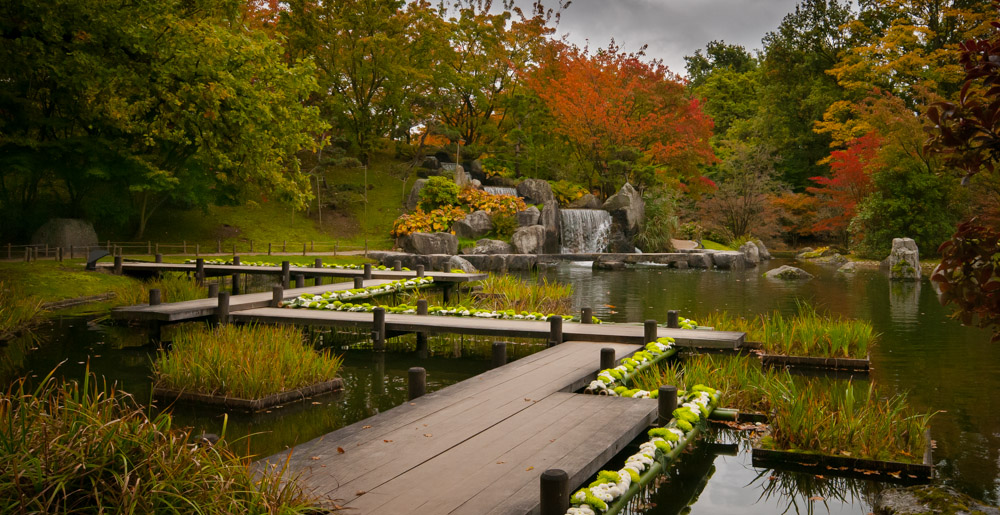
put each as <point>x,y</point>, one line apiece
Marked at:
<point>456,171</point>
<point>536,191</point>
<point>519,262</point>
<point>627,211</point>
<point>528,217</point>
<point>729,260</point>
<point>475,225</point>
<point>609,265</point>
<point>833,259</point>
<point>430,243</point>
<point>700,260</point>
<point>802,251</point>
<point>903,262</point>
<point>928,499</point>
<point>848,268</point>
<point>414,198</point>
<point>751,254</point>
<point>588,201</point>
<point>431,163</point>
<point>486,246</point>
<point>475,169</point>
<point>63,232</point>
<point>550,221</point>
<point>762,251</point>
<point>477,184</point>
<point>788,273</point>
<point>529,240</point>
<point>458,263</point>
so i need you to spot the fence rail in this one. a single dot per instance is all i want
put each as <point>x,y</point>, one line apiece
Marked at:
<point>147,248</point>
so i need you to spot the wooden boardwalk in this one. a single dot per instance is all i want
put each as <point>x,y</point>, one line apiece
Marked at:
<point>478,446</point>
<point>622,333</point>
<point>143,268</point>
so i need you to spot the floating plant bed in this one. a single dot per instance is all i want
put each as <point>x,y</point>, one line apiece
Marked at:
<point>612,381</point>
<point>734,415</point>
<point>848,364</point>
<point>249,405</point>
<point>892,471</point>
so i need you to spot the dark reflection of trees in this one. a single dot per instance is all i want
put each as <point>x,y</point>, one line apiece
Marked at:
<point>800,492</point>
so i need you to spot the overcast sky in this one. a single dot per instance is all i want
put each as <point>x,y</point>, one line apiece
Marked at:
<point>672,28</point>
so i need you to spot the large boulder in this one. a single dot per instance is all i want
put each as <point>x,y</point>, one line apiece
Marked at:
<point>627,213</point>
<point>458,263</point>
<point>848,268</point>
<point>475,225</point>
<point>456,171</point>
<point>63,232</point>
<point>430,163</point>
<point>551,222</point>
<point>728,260</point>
<point>486,246</point>
<point>762,251</point>
<point>903,262</point>
<point>430,243</point>
<point>528,217</point>
<point>833,259</point>
<point>751,254</point>
<point>475,170</point>
<point>414,198</point>
<point>924,499</point>
<point>529,240</point>
<point>699,260</point>
<point>788,273</point>
<point>536,191</point>
<point>588,201</point>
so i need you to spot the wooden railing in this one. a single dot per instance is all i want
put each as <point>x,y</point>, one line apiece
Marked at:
<point>148,248</point>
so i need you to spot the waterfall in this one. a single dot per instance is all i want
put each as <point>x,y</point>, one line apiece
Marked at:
<point>584,230</point>
<point>500,190</point>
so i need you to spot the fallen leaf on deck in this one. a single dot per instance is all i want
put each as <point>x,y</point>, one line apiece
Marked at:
<point>366,427</point>
<point>387,441</point>
<point>340,450</point>
<point>360,492</point>
<point>314,458</point>
<point>428,435</point>
<point>530,468</point>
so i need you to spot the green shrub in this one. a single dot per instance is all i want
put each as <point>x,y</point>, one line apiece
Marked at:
<point>504,225</point>
<point>566,191</point>
<point>438,192</point>
<point>691,231</point>
<point>660,225</point>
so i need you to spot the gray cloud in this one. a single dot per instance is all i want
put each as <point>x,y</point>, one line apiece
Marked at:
<point>672,28</point>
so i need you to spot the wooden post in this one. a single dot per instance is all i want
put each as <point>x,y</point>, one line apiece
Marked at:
<point>359,282</point>
<point>303,248</point>
<point>158,258</point>
<point>269,249</point>
<point>199,271</point>
<point>72,253</point>
<point>46,250</point>
<point>368,271</point>
<point>420,270</point>
<point>318,263</point>
<point>422,336</point>
<point>312,246</point>
<point>109,245</point>
<point>197,249</point>
<point>236,284</point>
<point>378,329</point>
<point>417,382</point>
<point>154,297</point>
<point>335,245</point>
<point>554,494</point>
<point>649,331</point>
<point>156,248</point>
<point>285,274</point>
<point>284,245</point>
<point>213,290</point>
<point>9,247</point>
<point>397,265</point>
<point>300,280</point>
<point>236,261</point>
<point>422,307</point>
<point>222,313</point>
<point>218,246</point>
<point>118,265</point>
<point>59,253</point>
<point>149,247</point>
<point>185,247</point>
<point>673,319</point>
<point>499,354</point>
<point>555,330</point>
<point>234,248</point>
<point>607,358</point>
<point>587,316</point>
<point>251,246</point>
<point>446,293</point>
<point>277,295</point>
<point>666,403</point>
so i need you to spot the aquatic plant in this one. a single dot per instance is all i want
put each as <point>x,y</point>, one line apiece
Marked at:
<point>78,448</point>
<point>248,362</point>
<point>17,310</point>
<point>507,292</point>
<point>173,288</point>
<point>744,383</point>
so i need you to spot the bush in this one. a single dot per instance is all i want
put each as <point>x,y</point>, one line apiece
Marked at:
<point>691,231</point>
<point>438,220</point>
<point>438,192</point>
<point>566,191</point>
<point>660,225</point>
<point>479,200</point>
<point>504,225</point>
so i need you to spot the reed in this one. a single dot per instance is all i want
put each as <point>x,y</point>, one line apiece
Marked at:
<point>78,448</point>
<point>173,288</point>
<point>808,333</point>
<point>744,383</point>
<point>503,292</point>
<point>248,362</point>
<point>17,310</point>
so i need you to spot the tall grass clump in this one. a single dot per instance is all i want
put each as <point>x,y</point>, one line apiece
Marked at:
<point>247,362</point>
<point>17,310</point>
<point>503,292</point>
<point>173,288</point>
<point>807,333</point>
<point>744,383</point>
<point>72,448</point>
<point>850,420</point>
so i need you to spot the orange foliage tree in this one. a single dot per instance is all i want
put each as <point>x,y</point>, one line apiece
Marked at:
<point>628,118</point>
<point>849,184</point>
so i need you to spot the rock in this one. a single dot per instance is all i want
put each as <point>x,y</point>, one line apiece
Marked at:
<point>903,262</point>
<point>529,240</point>
<point>536,191</point>
<point>609,265</point>
<point>528,217</point>
<point>414,198</point>
<point>63,232</point>
<point>486,246</point>
<point>788,273</point>
<point>700,260</point>
<point>458,263</point>
<point>728,260</point>
<point>550,221</point>
<point>627,212</point>
<point>928,499</point>
<point>430,243</point>
<point>430,163</point>
<point>849,268</point>
<point>443,157</point>
<point>477,184</point>
<point>762,251</point>
<point>751,254</point>
<point>456,171</point>
<point>475,225</point>
<point>805,250</point>
<point>588,201</point>
<point>833,259</point>
<point>475,169</point>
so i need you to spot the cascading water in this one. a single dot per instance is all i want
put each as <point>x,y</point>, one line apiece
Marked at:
<point>500,190</point>
<point>584,231</point>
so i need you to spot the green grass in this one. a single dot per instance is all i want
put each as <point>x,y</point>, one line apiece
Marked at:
<point>249,362</point>
<point>711,245</point>
<point>17,310</point>
<point>72,448</point>
<point>500,292</point>
<point>173,288</point>
<point>50,281</point>
<point>385,198</point>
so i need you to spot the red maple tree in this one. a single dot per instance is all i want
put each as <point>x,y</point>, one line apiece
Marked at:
<point>850,182</point>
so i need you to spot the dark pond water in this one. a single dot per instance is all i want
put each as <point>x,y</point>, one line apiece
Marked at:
<point>942,365</point>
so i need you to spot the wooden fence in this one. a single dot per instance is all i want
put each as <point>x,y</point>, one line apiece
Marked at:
<point>149,248</point>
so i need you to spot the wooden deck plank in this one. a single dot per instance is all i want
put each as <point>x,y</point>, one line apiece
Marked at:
<point>219,270</point>
<point>491,327</point>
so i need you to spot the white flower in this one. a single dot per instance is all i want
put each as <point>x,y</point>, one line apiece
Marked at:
<point>584,509</point>
<point>678,432</point>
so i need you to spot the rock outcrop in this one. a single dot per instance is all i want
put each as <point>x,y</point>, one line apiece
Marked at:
<point>536,191</point>
<point>627,211</point>
<point>588,201</point>
<point>486,246</point>
<point>751,253</point>
<point>528,217</point>
<point>551,222</point>
<point>475,225</point>
<point>903,262</point>
<point>63,232</point>
<point>429,243</point>
<point>762,251</point>
<point>925,499</point>
<point>728,260</point>
<point>529,240</point>
<point>414,199</point>
<point>458,263</point>
<point>788,273</point>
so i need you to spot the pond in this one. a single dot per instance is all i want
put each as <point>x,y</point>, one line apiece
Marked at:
<point>943,366</point>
